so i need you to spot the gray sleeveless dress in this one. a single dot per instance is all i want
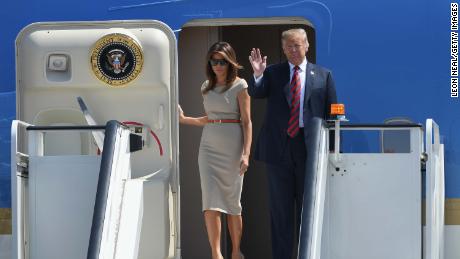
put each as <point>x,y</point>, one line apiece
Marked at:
<point>220,151</point>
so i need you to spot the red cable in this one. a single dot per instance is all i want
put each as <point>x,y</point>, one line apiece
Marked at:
<point>151,132</point>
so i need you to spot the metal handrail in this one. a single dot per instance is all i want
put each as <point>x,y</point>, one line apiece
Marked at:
<point>435,191</point>
<point>17,198</point>
<point>314,192</point>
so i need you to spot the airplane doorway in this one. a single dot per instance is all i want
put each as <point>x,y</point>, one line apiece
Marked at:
<point>193,43</point>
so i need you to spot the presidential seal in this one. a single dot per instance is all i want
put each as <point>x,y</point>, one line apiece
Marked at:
<point>116,59</point>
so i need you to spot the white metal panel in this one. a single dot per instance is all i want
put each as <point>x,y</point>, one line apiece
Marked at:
<point>130,221</point>
<point>156,234</point>
<point>451,237</point>
<point>62,195</point>
<point>373,208</point>
<point>5,247</point>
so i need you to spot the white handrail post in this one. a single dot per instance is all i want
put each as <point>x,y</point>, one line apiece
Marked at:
<point>18,243</point>
<point>337,157</point>
<point>435,191</point>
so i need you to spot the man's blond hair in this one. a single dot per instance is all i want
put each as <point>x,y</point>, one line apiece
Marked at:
<point>292,32</point>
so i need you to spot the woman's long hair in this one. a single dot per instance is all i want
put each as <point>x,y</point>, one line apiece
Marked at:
<point>229,55</point>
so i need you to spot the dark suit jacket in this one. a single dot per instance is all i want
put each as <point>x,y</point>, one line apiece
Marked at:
<point>319,94</point>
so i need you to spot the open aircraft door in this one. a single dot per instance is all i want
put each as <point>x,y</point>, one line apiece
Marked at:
<point>71,75</point>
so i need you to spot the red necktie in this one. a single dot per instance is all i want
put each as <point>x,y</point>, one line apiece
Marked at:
<point>293,125</point>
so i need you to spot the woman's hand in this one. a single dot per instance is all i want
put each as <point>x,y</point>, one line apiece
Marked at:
<point>194,121</point>
<point>181,114</point>
<point>244,164</point>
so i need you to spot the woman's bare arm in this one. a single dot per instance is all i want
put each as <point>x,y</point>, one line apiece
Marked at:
<point>194,121</point>
<point>244,102</point>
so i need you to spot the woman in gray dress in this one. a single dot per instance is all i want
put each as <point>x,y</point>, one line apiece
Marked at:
<point>225,145</point>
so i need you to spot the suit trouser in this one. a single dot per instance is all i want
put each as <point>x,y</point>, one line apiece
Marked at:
<point>285,186</point>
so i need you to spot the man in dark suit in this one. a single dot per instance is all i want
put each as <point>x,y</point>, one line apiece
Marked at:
<point>296,91</point>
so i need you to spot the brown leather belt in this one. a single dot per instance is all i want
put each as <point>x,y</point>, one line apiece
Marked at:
<point>224,121</point>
